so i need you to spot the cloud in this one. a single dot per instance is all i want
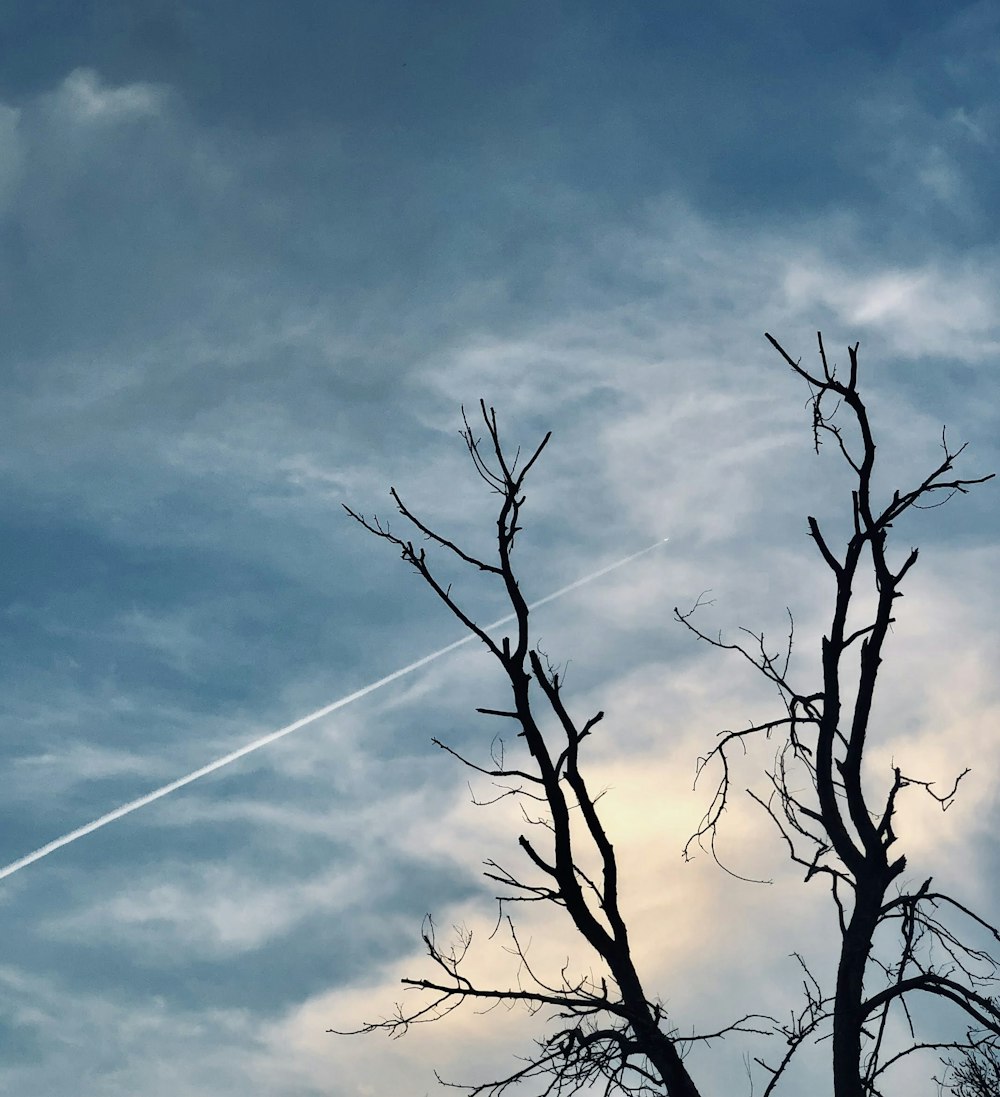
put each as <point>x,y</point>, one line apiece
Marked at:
<point>55,772</point>
<point>228,313</point>
<point>205,911</point>
<point>942,309</point>
<point>83,97</point>
<point>167,1050</point>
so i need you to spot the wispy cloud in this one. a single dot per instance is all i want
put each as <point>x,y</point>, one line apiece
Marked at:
<point>239,289</point>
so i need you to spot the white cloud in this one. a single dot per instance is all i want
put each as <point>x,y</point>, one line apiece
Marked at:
<point>210,911</point>
<point>941,308</point>
<point>84,97</point>
<point>975,125</point>
<point>161,1050</point>
<point>56,772</point>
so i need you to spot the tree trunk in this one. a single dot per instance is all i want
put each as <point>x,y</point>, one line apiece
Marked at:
<point>848,1018</point>
<point>669,1065</point>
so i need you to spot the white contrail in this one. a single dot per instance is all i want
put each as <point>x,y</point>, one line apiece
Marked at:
<point>165,790</point>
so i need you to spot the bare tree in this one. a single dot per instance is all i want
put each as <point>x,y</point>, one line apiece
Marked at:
<point>835,830</point>
<point>609,1029</point>
<point>975,1072</point>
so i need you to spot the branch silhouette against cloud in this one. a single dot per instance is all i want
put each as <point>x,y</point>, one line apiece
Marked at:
<point>252,265</point>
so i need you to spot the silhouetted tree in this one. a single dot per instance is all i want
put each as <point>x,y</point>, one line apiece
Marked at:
<point>836,829</point>
<point>611,1029</point>
<point>975,1072</point>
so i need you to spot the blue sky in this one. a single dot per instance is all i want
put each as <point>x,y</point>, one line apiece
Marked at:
<point>253,258</point>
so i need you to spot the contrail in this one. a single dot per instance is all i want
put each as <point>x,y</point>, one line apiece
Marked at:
<point>219,763</point>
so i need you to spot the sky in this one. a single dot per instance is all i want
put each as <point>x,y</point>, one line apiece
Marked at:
<point>254,258</point>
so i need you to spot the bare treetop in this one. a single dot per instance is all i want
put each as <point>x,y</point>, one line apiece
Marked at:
<point>895,941</point>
